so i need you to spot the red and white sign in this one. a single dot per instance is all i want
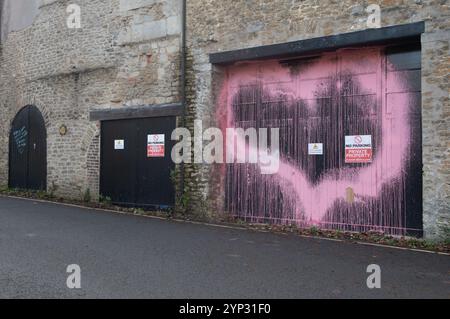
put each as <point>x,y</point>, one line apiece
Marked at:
<point>155,145</point>
<point>358,149</point>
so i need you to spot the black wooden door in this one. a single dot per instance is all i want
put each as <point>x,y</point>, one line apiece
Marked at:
<point>130,174</point>
<point>155,184</point>
<point>28,150</point>
<point>118,168</point>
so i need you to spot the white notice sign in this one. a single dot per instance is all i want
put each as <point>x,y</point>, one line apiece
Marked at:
<point>119,144</point>
<point>315,148</point>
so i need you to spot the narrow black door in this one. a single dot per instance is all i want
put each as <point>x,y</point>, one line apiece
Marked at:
<point>154,162</point>
<point>118,161</point>
<point>136,162</point>
<point>28,150</point>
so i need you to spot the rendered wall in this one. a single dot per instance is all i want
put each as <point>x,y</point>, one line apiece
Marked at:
<point>17,15</point>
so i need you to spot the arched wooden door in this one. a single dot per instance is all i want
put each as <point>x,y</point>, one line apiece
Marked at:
<point>28,150</point>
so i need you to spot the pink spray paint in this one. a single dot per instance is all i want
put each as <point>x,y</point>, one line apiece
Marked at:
<point>320,100</point>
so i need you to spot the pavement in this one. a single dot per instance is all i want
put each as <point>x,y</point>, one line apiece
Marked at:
<point>126,256</point>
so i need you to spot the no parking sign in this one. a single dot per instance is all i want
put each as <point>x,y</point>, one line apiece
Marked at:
<point>155,145</point>
<point>358,149</point>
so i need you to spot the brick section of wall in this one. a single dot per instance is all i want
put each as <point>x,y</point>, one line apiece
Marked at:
<point>216,26</point>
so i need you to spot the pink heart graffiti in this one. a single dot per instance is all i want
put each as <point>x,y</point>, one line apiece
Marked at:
<point>254,91</point>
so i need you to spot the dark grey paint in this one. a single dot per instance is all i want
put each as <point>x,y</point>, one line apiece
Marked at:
<point>135,112</point>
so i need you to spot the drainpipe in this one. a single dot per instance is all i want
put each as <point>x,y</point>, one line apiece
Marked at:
<point>183,80</point>
<point>1,22</point>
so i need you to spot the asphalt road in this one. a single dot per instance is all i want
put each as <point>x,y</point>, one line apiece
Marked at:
<point>123,256</point>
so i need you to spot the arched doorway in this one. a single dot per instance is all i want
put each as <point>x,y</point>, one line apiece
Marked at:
<point>28,150</point>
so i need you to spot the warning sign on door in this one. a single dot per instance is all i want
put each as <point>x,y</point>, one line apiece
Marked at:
<point>358,149</point>
<point>315,148</point>
<point>155,145</point>
<point>119,144</point>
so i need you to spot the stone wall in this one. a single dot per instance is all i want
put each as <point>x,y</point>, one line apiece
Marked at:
<point>125,53</point>
<point>215,26</point>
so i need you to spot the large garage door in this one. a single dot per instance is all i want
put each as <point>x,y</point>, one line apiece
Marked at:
<point>350,140</point>
<point>136,162</point>
<point>28,150</point>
